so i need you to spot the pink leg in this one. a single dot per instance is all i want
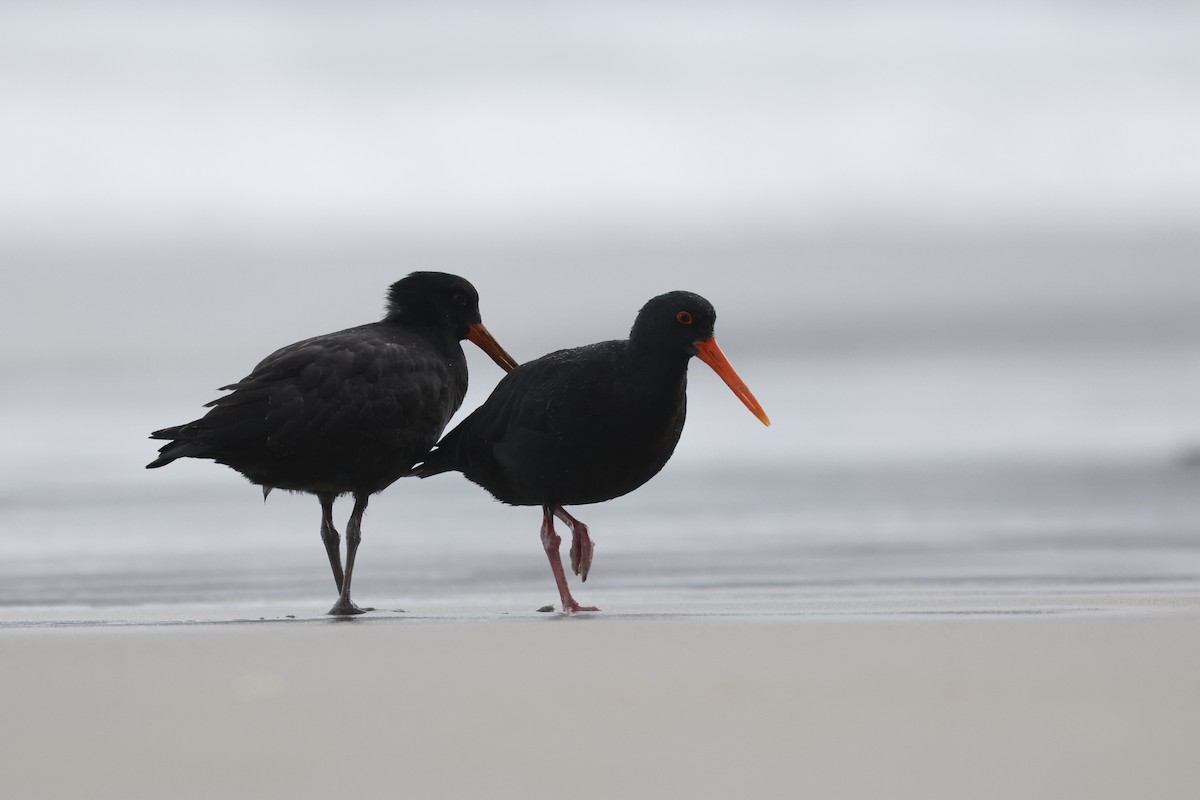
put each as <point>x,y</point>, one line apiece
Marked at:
<point>581,544</point>
<point>551,541</point>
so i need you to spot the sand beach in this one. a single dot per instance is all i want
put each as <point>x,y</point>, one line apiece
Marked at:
<point>1057,696</point>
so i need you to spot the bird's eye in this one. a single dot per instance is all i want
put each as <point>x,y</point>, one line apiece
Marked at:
<point>684,318</point>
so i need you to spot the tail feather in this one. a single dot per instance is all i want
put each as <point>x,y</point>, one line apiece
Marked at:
<point>179,447</point>
<point>168,433</point>
<point>223,430</point>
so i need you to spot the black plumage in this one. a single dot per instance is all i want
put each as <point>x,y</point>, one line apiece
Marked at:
<point>588,424</point>
<point>346,412</point>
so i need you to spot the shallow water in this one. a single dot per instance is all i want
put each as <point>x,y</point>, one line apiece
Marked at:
<point>881,477</point>
<point>698,532</point>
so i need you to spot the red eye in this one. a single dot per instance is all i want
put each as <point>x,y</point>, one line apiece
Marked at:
<point>684,318</point>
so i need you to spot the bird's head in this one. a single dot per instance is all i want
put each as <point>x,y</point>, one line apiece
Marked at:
<point>448,302</point>
<point>681,324</point>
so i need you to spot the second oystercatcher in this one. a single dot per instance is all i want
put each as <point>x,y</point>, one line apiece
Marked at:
<point>347,412</point>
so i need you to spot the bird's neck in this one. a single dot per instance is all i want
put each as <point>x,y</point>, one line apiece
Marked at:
<point>659,367</point>
<point>441,336</point>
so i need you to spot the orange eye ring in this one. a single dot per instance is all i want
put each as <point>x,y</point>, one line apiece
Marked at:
<point>683,318</point>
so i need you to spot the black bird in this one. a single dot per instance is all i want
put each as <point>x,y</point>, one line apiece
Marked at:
<point>588,424</point>
<point>347,412</point>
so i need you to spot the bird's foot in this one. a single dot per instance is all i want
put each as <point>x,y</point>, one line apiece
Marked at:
<point>571,606</point>
<point>346,608</point>
<point>581,552</point>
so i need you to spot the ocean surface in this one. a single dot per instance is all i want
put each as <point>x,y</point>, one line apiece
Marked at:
<point>872,489</point>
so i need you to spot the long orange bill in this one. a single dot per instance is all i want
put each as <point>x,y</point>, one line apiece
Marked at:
<point>480,337</point>
<point>711,354</point>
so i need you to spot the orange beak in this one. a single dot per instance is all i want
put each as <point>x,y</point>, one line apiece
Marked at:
<point>480,337</point>
<point>711,354</point>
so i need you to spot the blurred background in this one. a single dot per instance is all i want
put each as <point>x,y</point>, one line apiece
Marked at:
<point>943,239</point>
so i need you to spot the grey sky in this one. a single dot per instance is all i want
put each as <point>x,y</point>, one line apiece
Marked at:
<point>428,119</point>
<point>232,176</point>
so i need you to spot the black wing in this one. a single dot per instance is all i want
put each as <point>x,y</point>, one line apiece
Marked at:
<point>528,417</point>
<point>321,393</point>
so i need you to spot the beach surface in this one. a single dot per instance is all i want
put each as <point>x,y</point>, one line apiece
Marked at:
<point>1089,696</point>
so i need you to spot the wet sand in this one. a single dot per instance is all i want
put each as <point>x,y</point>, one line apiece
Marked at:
<point>1058,695</point>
